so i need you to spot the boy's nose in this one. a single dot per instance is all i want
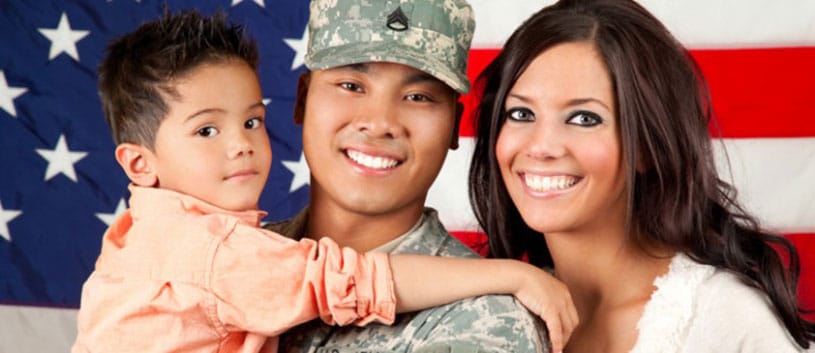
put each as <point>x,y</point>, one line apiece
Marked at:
<point>240,146</point>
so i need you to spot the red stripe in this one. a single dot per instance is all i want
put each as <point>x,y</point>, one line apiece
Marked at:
<point>756,92</point>
<point>479,59</point>
<point>762,92</point>
<point>475,240</point>
<point>804,243</point>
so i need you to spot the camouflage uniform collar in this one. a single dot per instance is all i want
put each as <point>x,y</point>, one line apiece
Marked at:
<point>395,242</point>
<point>426,237</point>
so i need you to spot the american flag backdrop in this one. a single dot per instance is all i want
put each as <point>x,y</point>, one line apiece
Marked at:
<point>60,186</point>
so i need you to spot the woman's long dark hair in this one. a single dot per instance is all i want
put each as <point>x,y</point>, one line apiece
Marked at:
<point>677,199</point>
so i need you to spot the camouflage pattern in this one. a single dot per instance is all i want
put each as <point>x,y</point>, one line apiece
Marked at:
<point>486,324</point>
<point>430,35</point>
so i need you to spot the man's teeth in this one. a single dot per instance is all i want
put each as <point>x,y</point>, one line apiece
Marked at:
<point>549,183</point>
<point>371,161</point>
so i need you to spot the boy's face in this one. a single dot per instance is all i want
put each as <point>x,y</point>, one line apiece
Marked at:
<point>213,144</point>
<point>375,136</point>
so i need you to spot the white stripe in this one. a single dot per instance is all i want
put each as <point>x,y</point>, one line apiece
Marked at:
<point>36,330</point>
<point>448,195</point>
<point>696,23</point>
<point>774,178</point>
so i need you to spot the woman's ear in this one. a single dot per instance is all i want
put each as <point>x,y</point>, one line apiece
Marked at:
<point>300,99</point>
<point>136,161</point>
<point>642,165</point>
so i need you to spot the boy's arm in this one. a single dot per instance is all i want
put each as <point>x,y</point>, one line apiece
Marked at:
<point>263,282</point>
<point>423,281</point>
<point>268,283</point>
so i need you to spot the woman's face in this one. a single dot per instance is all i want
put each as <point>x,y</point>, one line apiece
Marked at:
<point>559,149</point>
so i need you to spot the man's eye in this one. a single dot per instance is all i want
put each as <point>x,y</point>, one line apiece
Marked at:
<point>520,114</point>
<point>207,131</point>
<point>351,86</point>
<point>253,123</point>
<point>417,97</point>
<point>584,118</point>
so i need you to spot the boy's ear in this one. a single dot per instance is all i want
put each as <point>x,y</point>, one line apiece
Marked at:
<point>300,99</point>
<point>459,113</point>
<point>137,164</point>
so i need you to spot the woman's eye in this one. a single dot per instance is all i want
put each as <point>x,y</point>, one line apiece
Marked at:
<point>584,118</point>
<point>253,123</point>
<point>520,114</point>
<point>207,131</point>
<point>351,86</point>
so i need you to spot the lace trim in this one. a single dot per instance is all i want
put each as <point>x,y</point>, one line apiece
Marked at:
<point>666,317</point>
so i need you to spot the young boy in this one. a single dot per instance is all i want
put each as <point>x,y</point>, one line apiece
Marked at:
<point>187,268</point>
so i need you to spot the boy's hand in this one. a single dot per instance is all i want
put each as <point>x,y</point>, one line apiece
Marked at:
<point>548,298</point>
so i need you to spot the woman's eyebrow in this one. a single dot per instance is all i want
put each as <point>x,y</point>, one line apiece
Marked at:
<point>579,101</point>
<point>570,102</point>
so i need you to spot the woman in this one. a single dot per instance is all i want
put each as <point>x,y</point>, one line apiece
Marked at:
<point>593,157</point>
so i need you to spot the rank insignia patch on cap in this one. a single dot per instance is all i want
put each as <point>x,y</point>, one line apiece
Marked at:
<point>397,20</point>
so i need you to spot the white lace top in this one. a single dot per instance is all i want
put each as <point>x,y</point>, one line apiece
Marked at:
<point>697,308</point>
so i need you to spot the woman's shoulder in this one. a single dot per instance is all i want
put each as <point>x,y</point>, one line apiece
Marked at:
<point>725,292</point>
<point>707,290</point>
<point>730,315</point>
<point>700,308</point>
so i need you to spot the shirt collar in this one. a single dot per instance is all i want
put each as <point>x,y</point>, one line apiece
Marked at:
<point>148,201</point>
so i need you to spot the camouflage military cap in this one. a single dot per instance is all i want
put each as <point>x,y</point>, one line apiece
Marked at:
<point>430,35</point>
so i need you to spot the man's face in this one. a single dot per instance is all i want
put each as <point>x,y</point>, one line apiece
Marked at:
<point>375,136</point>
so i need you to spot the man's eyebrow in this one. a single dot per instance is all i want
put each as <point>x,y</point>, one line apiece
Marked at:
<point>422,77</point>
<point>418,77</point>
<point>359,67</point>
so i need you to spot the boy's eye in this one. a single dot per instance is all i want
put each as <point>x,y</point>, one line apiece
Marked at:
<point>207,131</point>
<point>351,86</point>
<point>520,114</point>
<point>253,123</point>
<point>584,118</point>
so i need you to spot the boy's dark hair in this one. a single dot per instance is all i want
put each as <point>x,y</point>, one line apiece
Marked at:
<point>135,77</point>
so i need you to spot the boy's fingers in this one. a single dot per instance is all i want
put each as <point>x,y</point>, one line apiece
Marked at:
<point>575,320</point>
<point>570,319</point>
<point>568,328</point>
<point>555,328</point>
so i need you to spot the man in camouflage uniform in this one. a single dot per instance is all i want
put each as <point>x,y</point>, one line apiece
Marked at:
<point>379,110</point>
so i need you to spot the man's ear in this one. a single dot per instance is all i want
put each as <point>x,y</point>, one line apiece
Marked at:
<point>454,138</point>
<point>136,160</point>
<point>300,99</point>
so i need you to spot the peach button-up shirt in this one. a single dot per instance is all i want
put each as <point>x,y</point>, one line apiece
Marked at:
<point>176,274</point>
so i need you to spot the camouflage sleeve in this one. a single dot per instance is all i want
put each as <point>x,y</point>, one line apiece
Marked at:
<point>487,324</point>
